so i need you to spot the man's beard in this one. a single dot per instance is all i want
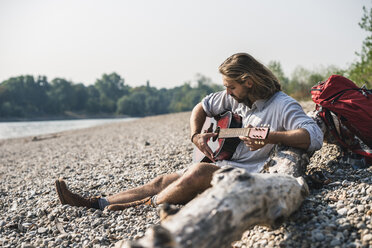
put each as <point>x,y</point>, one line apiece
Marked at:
<point>245,99</point>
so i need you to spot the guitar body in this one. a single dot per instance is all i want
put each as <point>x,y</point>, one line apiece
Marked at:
<point>223,149</point>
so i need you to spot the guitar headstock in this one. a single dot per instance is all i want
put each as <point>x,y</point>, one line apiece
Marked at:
<point>259,132</point>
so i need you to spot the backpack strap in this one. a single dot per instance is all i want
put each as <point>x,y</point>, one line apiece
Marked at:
<point>328,119</point>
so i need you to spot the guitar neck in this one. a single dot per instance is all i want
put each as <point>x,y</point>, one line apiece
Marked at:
<point>233,132</point>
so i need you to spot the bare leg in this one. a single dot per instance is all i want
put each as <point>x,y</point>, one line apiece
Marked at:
<point>141,192</point>
<point>171,188</point>
<point>193,182</point>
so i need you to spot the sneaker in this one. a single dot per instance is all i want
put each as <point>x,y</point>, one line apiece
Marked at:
<point>67,197</point>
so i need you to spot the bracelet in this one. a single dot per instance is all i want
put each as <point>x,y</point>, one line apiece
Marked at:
<point>192,137</point>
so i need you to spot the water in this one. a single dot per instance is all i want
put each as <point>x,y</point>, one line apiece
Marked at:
<point>32,128</point>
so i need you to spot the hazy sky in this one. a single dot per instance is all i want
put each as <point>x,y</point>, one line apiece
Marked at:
<point>169,42</point>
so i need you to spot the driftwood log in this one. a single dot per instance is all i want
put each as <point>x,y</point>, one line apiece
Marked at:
<point>287,160</point>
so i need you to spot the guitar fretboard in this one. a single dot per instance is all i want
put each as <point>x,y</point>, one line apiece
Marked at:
<point>233,132</point>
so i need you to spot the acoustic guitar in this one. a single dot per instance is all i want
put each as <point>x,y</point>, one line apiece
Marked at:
<point>228,127</point>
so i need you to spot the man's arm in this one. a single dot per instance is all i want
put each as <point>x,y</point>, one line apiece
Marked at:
<point>197,120</point>
<point>299,138</point>
<point>301,131</point>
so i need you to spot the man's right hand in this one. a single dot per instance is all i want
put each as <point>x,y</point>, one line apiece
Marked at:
<point>201,142</point>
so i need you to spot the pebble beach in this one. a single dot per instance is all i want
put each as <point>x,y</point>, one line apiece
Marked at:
<point>107,159</point>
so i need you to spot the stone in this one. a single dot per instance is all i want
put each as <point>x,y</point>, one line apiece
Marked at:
<point>63,236</point>
<point>340,236</point>
<point>42,230</point>
<point>345,226</point>
<point>318,236</point>
<point>345,183</point>
<point>26,225</point>
<point>367,238</point>
<point>360,208</point>
<point>2,223</point>
<point>352,245</point>
<point>352,211</point>
<point>27,245</point>
<point>369,191</point>
<point>342,211</point>
<point>335,242</point>
<point>363,191</point>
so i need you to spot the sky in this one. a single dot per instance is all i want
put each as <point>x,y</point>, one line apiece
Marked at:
<point>168,42</point>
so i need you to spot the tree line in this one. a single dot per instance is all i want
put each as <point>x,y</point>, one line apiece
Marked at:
<point>28,97</point>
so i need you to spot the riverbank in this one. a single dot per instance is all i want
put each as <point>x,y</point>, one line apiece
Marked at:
<point>114,157</point>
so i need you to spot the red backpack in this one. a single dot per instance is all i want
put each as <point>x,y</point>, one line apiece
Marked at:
<point>338,98</point>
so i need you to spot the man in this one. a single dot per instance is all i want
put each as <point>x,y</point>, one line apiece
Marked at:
<point>253,92</point>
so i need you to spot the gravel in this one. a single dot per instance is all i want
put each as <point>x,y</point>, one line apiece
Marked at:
<point>107,159</point>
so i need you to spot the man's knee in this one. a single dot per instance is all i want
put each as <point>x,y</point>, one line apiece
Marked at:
<point>158,181</point>
<point>199,174</point>
<point>163,181</point>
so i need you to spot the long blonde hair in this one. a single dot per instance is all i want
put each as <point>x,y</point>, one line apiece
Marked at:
<point>241,67</point>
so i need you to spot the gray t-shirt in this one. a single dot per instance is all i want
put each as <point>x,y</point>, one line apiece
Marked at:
<point>281,112</point>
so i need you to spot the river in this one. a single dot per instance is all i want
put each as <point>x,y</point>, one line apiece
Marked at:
<point>31,128</point>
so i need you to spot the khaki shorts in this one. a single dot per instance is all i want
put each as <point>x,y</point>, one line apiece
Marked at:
<point>250,168</point>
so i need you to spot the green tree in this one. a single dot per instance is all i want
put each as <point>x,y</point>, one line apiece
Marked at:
<point>23,96</point>
<point>185,97</point>
<point>144,100</point>
<point>110,87</point>
<point>60,96</point>
<point>79,98</point>
<point>133,104</point>
<point>92,105</point>
<point>303,79</point>
<point>181,99</point>
<point>361,71</point>
<point>276,68</point>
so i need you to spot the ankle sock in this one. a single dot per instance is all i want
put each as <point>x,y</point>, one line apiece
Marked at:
<point>153,201</point>
<point>103,202</point>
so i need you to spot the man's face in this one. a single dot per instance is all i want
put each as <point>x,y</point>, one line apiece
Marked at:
<point>240,92</point>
